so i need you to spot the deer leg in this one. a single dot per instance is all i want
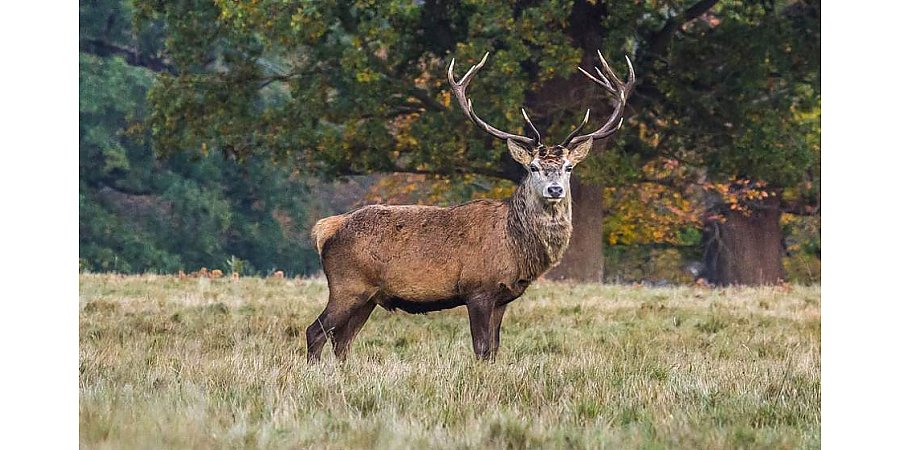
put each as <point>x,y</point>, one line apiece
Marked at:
<point>317,334</point>
<point>480,312</point>
<point>341,307</point>
<point>496,319</point>
<point>344,335</point>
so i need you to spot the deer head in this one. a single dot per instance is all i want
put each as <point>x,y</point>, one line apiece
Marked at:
<point>549,167</point>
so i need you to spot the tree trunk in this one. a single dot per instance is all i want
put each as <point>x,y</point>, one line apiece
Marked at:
<point>583,261</point>
<point>745,249</point>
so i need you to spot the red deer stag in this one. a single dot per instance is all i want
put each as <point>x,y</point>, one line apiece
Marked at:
<point>482,254</point>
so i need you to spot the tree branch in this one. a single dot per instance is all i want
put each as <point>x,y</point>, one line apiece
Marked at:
<point>132,56</point>
<point>426,99</point>
<point>348,171</point>
<point>801,208</point>
<point>493,173</point>
<point>660,40</point>
<point>507,169</point>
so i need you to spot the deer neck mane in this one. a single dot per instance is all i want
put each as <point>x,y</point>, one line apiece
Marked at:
<point>539,231</point>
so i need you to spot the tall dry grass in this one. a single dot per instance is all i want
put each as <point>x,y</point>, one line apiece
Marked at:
<point>221,364</point>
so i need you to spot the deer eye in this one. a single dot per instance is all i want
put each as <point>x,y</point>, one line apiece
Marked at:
<point>535,168</point>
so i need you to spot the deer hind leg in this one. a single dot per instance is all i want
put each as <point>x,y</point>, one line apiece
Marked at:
<point>316,334</point>
<point>344,335</point>
<point>343,304</point>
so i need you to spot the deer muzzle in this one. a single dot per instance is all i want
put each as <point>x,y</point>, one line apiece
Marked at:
<point>554,192</point>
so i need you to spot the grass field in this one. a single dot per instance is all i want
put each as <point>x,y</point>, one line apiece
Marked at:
<point>222,364</point>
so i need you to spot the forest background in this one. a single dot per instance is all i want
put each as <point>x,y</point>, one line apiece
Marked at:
<point>214,133</point>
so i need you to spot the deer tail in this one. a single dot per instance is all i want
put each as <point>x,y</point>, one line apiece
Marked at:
<point>325,229</point>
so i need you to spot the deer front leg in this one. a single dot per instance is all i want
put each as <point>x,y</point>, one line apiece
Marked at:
<point>480,312</point>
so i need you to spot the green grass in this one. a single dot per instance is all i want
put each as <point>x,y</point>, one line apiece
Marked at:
<point>222,364</point>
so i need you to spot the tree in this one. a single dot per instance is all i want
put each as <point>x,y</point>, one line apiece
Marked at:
<point>746,116</point>
<point>137,213</point>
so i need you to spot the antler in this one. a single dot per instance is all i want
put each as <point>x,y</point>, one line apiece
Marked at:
<point>612,84</point>
<point>459,90</point>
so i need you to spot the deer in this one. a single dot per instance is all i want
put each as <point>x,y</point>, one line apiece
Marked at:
<point>482,254</point>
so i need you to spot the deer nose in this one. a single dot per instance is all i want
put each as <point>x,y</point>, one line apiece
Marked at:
<point>555,190</point>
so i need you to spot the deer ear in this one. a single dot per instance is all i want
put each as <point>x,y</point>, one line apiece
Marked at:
<point>520,152</point>
<point>580,151</point>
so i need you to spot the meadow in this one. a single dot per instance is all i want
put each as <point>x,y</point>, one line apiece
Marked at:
<point>200,363</point>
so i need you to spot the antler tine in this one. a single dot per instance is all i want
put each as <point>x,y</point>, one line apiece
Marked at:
<point>630,81</point>
<point>600,73</point>
<point>534,130</point>
<point>471,73</point>
<point>614,85</point>
<point>607,69</point>
<point>577,129</point>
<point>464,83</point>
<point>459,91</point>
<point>605,83</point>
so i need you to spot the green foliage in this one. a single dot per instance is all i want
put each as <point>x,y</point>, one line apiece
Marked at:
<point>110,97</point>
<point>237,265</point>
<point>327,82</point>
<point>139,214</point>
<point>803,241</point>
<point>743,95</point>
<point>109,242</point>
<point>200,219</point>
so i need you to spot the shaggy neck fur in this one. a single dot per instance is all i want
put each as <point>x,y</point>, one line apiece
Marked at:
<point>540,231</point>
